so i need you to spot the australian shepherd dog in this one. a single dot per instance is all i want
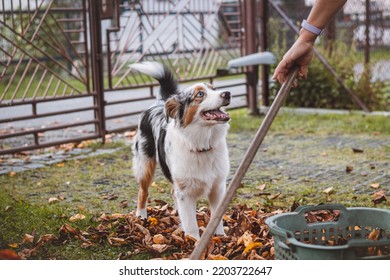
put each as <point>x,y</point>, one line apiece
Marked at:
<point>185,131</point>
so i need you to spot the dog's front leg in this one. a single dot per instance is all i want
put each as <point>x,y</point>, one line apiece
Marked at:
<point>215,196</point>
<point>186,206</point>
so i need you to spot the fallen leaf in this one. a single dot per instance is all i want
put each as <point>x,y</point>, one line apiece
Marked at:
<point>159,239</point>
<point>216,257</point>
<point>115,241</point>
<point>328,190</point>
<point>117,216</point>
<point>53,200</point>
<point>124,204</point>
<point>349,169</point>
<point>356,150</point>
<point>274,196</point>
<point>7,208</point>
<point>375,186</point>
<point>374,234</point>
<point>61,164</point>
<point>379,197</point>
<point>12,174</point>
<point>261,187</point>
<point>46,238</point>
<point>110,196</point>
<point>160,248</point>
<point>7,254</point>
<point>153,221</point>
<point>28,238</point>
<point>252,245</point>
<point>77,217</point>
<point>13,245</point>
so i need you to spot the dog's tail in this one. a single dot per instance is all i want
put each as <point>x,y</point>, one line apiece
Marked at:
<point>168,83</point>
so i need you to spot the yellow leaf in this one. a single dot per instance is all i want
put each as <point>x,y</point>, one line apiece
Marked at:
<point>13,245</point>
<point>61,164</point>
<point>252,245</point>
<point>77,217</point>
<point>153,221</point>
<point>12,174</point>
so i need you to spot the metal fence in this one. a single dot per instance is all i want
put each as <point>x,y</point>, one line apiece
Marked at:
<point>64,73</point>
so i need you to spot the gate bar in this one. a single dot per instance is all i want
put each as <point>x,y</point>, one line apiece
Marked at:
<point>244,165</point>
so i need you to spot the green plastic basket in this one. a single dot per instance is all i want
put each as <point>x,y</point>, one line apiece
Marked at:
<point>295,238</point>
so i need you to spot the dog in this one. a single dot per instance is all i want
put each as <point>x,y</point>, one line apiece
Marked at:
<point>185,131</point>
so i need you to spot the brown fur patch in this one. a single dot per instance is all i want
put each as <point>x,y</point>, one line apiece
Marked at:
<point>190,114</point>
<point>172,107</point>
<point>197,186</point>
<point>144,182</point>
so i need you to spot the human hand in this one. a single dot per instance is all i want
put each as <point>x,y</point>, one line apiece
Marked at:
<point>300,54</point>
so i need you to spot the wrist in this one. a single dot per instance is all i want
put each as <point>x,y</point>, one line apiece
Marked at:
<point>307,36</point>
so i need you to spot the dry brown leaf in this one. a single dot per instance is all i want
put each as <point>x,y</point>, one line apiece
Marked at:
<point>379,197</point>
<point>349,169</point>
<point>328,190</point>
<point>117,216</point>
<point>374,234</point>
<point>160,239</point>
<point>28,238</point>
<point>7,254</point>
<point>77,217</point>
<point>261,187</point>
<point>160,248</point>
<point>115,241</point>
<point>53,200</point>
<point>216,257</point>
<point>375,186</point>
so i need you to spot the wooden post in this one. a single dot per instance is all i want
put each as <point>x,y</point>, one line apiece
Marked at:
<point>250,48</point>
<point>264,46</point>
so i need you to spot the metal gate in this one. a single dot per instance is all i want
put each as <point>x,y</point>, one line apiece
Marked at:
<point>64,74</point>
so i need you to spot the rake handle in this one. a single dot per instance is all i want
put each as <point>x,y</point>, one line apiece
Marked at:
<point>244,165</point>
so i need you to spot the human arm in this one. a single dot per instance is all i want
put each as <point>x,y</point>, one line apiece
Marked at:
<point>301,53</point>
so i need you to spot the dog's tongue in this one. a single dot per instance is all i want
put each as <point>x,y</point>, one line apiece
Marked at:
<point>216,115</point>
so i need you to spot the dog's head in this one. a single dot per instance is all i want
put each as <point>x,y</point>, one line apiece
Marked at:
<point>201,104</point>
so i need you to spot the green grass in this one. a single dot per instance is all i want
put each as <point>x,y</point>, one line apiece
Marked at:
<point>353,123</point>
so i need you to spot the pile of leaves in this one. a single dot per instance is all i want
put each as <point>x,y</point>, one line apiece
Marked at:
<point>160,236</point>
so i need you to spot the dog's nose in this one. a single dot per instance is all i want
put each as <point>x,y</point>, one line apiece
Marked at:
<point>226,95</point>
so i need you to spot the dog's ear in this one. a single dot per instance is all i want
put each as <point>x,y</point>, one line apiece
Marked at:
<point>172,107</point>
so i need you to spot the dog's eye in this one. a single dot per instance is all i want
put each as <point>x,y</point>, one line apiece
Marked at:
<point>200,94</point>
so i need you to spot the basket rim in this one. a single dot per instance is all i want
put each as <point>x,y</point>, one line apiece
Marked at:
<point>351,243</point>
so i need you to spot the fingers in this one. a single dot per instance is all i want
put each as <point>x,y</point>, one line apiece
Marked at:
<point>282,71</point>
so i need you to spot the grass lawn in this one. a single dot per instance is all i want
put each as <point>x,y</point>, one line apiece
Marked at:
<point>104,184</point>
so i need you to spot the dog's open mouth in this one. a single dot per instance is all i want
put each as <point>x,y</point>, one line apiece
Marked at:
<point>215,115</point>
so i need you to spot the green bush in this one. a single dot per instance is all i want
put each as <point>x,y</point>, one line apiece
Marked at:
<point>321,90</point>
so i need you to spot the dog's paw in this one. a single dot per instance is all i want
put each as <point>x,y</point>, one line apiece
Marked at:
<point>141,213</point>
